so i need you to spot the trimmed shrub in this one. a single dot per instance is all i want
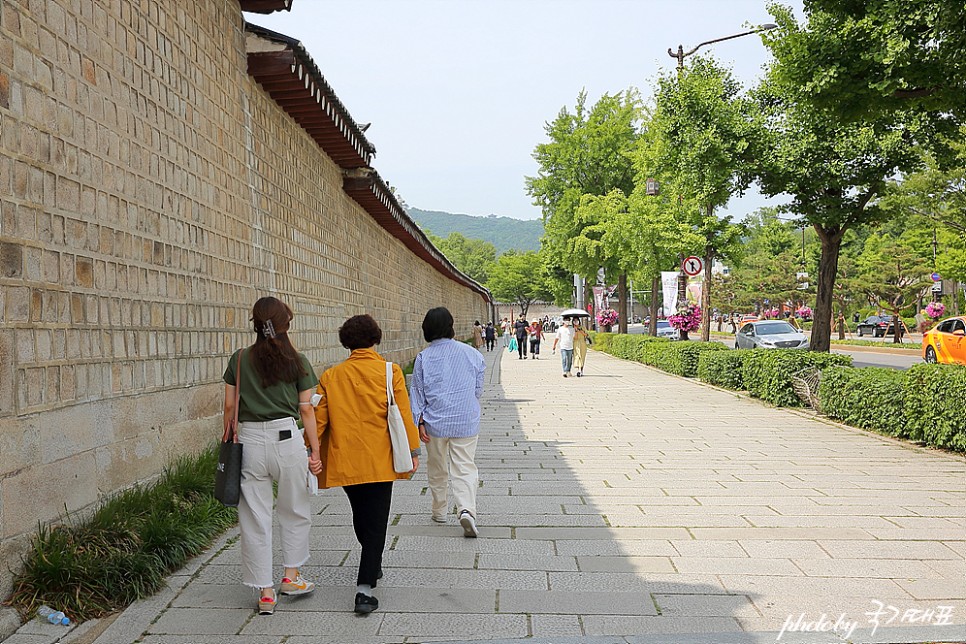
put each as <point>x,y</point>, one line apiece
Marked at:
<point>767,373</point>
<point>722,368</point>
<point>870,398</point>
<point>680,358</point>
<point>935,405</point>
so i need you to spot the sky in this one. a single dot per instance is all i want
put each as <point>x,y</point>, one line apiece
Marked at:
<point>458,92</point>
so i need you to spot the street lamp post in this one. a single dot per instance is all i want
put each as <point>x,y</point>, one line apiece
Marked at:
<point>680,55</point>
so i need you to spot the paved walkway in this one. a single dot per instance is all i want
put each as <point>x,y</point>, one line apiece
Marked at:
<point>628,506</point>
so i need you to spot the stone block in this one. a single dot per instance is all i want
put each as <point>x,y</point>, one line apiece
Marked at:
<point>7,378</point>
<point>42,492</point>
<point>201,621</point>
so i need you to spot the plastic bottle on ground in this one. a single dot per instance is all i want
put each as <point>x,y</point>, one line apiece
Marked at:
<point>53,616</point>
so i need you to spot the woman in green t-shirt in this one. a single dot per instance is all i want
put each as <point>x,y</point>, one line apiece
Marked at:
<point>276,386</point>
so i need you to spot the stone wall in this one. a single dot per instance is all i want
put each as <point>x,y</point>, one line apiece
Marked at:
<point>150,191</point>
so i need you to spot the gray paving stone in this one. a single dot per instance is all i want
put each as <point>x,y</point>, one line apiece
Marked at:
<point>555,626</point>
<point>323,626</point>
<point>463,627</point>
<point>577,603</point>
<point>626,564</point>
<point>201,621</point>
<point>635,624</point>
<point>705,605</point>
<point>734,566</point>
<point>492,546</point>
<point>525,562</point>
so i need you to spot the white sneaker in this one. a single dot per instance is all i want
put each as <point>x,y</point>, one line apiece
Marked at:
<point>439,518</point>
<point>469,525</point>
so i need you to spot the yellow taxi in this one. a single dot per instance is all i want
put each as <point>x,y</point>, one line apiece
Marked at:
<point>945,343</point>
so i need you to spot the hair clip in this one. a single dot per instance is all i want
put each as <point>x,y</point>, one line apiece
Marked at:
<point>268,329</point>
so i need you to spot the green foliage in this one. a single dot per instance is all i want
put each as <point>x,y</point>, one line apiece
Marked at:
<point>124,550</point>
<point>857,60</point>
<point>474,257</point>
<point>723,368</point>
<point>588,153</point>
<point>870,398</point>
<point>518,278</point>
<point>935,407</point>
<point>768,373</point>
<point>680,358</point>
<point>504,233</point>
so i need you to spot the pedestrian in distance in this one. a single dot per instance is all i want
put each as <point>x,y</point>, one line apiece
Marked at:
<point>581,342</point>
<point>276,386</point>
<point>565,338</point>
<point>521,329</point>
<point>447,384</point>
<point>507,327</point>
<point>536,335</point>
<point>477,335</point>
<point>352,420</point>
<point>489,334</point>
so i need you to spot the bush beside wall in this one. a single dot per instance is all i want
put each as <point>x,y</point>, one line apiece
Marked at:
<point>934,402</point>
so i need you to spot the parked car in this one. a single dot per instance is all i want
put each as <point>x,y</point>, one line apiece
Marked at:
<point>876,325</point>
<point>665,330</point>
<point>945,343</point>
<point>770,334</point>
<point>748,317</point>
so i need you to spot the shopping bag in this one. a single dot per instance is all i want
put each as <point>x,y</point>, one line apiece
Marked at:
<point>228,474</point>
<point>402,458</point>
<point>513,345</point>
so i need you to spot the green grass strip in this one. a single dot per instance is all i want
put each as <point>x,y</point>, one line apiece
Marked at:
<point>125,549</point>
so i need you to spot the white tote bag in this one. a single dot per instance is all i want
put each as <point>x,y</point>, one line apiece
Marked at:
<point>402,458</point>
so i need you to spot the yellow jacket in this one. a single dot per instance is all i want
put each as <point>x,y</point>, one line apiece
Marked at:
<point>352,420</point>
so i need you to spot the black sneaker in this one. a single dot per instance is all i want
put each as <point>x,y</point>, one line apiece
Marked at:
<point>365,604</point>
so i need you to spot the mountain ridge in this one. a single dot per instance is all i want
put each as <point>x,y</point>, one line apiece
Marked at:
<point>505,233</point>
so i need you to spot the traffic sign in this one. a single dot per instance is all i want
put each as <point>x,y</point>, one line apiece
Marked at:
<point>692,265</point>
<point>936,277</point>
<point>937,287</point>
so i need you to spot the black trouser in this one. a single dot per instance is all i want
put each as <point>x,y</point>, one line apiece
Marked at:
<point>535,347</point>
<point>522,346</point>
<point>489,343</point>
<point>370,519</point>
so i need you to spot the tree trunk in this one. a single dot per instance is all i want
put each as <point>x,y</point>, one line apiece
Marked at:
<point>655,290</point>
<point>706,295</point>
<point>622,303</point>
<point>828,266</point>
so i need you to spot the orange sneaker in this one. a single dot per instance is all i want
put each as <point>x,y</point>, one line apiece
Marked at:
<point>297,586</point>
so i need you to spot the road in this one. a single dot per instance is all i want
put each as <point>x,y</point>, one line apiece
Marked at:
<point>861,356</point>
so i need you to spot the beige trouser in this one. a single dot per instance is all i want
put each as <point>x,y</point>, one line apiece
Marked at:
<point>265,459</point>
<point>451,459</point>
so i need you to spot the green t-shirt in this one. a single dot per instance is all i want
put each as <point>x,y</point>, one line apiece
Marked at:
<point>258,403</point>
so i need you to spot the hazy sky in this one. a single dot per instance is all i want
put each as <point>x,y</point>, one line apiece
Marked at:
<point>458,91</point>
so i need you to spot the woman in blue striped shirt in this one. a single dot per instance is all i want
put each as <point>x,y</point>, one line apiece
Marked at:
<point>445,400</point>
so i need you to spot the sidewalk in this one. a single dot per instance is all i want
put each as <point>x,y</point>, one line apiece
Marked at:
<point>627,506</point>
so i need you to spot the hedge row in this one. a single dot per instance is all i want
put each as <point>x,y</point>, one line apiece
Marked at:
<point>681,358</point>
<point>925,403</point>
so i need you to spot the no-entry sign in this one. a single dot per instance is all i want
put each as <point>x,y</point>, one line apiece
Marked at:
<point>692,265</point>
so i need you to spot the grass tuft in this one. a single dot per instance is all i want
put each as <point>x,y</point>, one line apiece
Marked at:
<point>124,550</point>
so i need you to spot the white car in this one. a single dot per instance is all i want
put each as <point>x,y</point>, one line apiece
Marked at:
<point>770,334</point>
<point>665,330</point>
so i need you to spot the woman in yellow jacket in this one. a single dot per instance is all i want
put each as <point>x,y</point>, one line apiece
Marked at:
<point>353,428</point>
<point>581,342</point>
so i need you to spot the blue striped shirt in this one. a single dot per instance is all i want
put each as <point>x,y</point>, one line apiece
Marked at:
<point>446,388</point>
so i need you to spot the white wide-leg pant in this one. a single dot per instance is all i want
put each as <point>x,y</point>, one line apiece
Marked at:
<point>265,459</point>
<point>451,460</point>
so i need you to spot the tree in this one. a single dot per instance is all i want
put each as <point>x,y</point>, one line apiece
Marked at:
<point>893,276</point>
<point>861,59</point>
<point>589,153</point>
<point>834,171</point>
<point>472,256</point>
<point>705,125</point>
<point>518,278</point>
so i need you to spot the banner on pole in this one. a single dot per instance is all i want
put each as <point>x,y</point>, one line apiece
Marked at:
<point>669,284</point>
